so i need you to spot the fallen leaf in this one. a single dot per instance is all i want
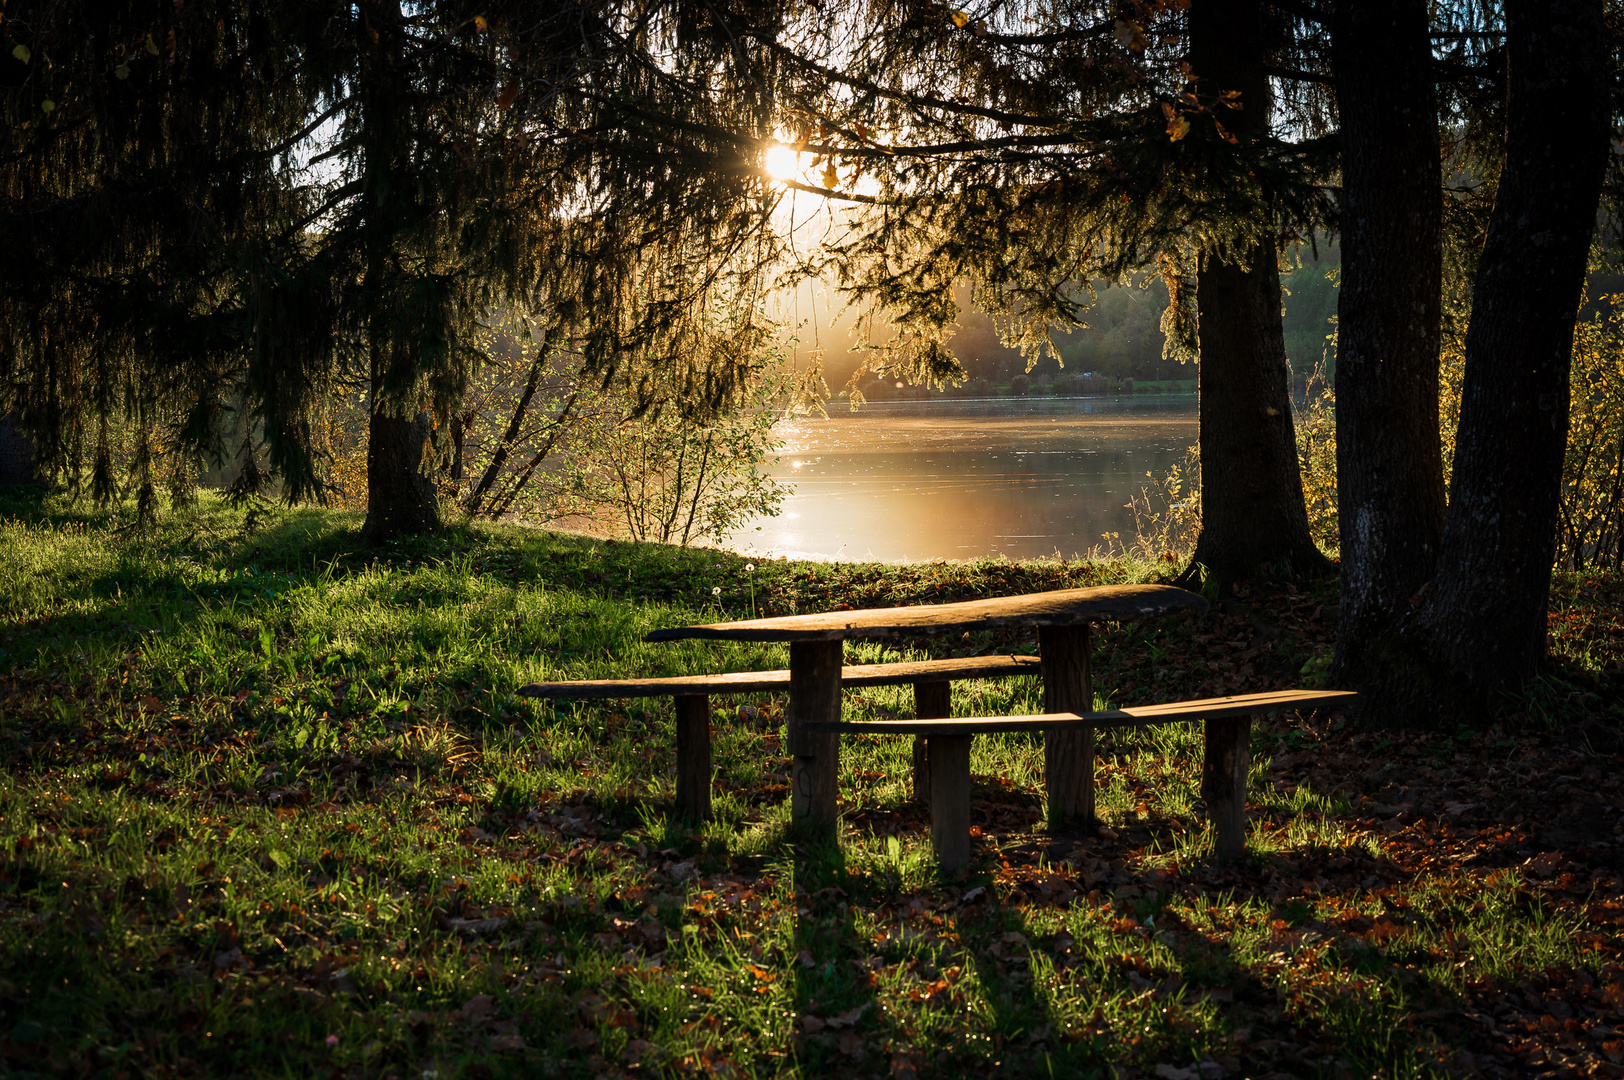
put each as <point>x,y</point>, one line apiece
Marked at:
<point>477,927</point>
<point>849,1017</point>
<point>1544,864</point>
<point>477,1008</point>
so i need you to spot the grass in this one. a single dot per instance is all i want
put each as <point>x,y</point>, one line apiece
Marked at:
<point>270,807</point>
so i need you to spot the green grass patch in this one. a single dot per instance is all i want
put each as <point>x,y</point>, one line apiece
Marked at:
<point>269,806</point>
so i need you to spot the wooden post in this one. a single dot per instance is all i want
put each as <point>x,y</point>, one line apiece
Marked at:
<point>1068,756</point>
<point>693,756</point>
<point>932,700</point>
<point>1223,783</point>
<point>950,799</point>
<point>814,697</point>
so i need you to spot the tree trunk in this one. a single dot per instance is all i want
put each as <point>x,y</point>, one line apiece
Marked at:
<point>400,499</point>
<point>1252,510</point>
<point>1389,462</point>
<point>459,434</point>
<point>1484,618</point>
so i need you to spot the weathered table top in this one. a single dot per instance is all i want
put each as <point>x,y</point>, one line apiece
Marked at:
<point>1065,607</point>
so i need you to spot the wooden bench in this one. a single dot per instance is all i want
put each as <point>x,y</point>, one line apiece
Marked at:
<point>1226,759</point>
<point>931,679</point>
<point>1061,618</point>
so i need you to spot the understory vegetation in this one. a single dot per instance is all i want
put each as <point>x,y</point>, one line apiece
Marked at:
<point>1590,527</point>
<point>269,806</point>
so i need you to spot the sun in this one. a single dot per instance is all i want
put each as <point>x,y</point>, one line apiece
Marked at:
<point>783,163</point>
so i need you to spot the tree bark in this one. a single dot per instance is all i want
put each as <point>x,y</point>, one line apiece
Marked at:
<point>1389,460</point>
<point>459,433</point>
<point>400,499</point>
<point>1484,618</point>
<point>1252,509</point>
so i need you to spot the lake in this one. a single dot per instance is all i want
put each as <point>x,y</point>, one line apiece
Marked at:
<point>905,481</point>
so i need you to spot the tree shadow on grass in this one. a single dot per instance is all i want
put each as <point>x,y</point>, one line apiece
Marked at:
<point>834,986</point>
<point>1132,972</point>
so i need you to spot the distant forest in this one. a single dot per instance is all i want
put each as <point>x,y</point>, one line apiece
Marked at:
<point>1123,339</point>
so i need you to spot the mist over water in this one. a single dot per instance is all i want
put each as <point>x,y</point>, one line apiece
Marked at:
<point>904,481</point>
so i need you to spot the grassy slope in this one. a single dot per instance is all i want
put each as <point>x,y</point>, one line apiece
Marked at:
<point>269,807</point>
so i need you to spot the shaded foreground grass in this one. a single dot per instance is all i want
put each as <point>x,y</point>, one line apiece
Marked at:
<point>269,806</point>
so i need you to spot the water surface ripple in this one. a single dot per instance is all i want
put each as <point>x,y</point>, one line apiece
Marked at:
<point>965,478</point>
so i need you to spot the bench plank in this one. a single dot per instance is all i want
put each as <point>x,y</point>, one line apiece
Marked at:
<point>932,701</point>
<point>1068,753</point>
<point>950,799</point>
<point>1133,716</point>
<point>693,756</point>
<point>1063,607</point>
<point>814,706</point>
<point>745,682</point>
<point>1225,760</point>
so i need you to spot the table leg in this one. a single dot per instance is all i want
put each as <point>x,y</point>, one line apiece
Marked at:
<point>814,696</point>
<point>1224,767</point>
<point>693,756</point>
<point>950,799</point>
<point>1068,756</point>
<point>931,700</point>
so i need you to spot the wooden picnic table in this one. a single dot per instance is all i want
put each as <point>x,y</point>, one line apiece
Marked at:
<point>1062,619</point>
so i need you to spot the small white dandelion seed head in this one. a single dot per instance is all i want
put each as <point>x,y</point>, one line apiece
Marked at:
<point>749,567</point>
<point>716,591</point>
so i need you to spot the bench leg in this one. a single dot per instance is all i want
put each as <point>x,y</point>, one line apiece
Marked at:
<point>693,756</point>
<point>950,799</point>
<point>1068,756</point>
<point>814,697</point>
<point>932,700</point>
<point>1223,783</point>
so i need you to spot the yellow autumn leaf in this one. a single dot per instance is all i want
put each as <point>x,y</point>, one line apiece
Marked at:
<point>1177,128</point>
<point>959,19</point>
<point>480,23</point>
<point>21,52</point>
<point>48,105</point>
<point>1130,35</point>
<point>830,177</point>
